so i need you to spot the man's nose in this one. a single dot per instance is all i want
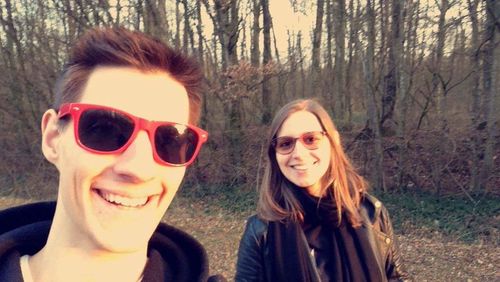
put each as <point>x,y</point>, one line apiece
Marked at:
<point>137,163</point>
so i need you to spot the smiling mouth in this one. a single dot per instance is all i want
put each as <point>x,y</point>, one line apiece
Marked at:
<point>121,200</point>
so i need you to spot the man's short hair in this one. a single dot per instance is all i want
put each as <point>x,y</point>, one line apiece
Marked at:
<point>118,46</point>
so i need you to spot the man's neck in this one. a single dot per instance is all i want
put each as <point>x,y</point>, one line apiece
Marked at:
<point>57,263</point>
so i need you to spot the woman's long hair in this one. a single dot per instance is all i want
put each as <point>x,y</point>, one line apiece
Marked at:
<point>277,202</point>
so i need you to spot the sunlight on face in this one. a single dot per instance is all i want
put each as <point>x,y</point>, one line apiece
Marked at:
<point>115,202</point>
<point>302,166</point>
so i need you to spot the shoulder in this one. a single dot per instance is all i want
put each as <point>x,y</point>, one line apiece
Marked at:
<point>167,236</point>
<point>10,269</point>
<point>257,223</point>
<point>19,216</point>
<point>256,228</point>
<point>373,209</point>
<point>176,247</point>
<point>374,213</point>
<point>371,205</point>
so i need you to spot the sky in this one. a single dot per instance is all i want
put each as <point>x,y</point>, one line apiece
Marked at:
<point>285,19</point>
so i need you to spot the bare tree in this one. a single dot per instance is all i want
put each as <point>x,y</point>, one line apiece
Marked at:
<point>266,84</point>
<point>226,21</point>
<point>392,79</point>
<point>490,82</point>
<point>475,91</point>
<point>373,126</point>
<point>339,68</point>
<point>316,48</point>
<point>155,21</point>
<point>255,44</point>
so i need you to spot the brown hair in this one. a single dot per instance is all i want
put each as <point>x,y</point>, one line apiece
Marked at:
<point>277,202</point>
<point>118,46</point>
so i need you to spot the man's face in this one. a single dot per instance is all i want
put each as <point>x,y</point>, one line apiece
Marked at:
<point>114,202</point>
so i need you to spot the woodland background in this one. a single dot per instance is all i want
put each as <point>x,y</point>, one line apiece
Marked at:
<point>411,84</point>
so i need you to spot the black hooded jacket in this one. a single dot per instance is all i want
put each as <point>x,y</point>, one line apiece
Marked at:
<point>173,255</point>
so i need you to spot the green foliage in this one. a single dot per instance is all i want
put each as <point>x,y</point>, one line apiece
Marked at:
<point>453,216</point>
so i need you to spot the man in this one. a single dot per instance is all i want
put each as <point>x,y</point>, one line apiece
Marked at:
<point>121,134</point>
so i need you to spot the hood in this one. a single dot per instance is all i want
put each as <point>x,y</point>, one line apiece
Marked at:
<point>173,255</point>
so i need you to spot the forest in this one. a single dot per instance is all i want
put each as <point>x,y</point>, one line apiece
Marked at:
<point>412,85</point>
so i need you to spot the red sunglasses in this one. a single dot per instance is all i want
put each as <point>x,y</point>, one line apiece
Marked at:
<point>284,145</point>
<point>105,130</point>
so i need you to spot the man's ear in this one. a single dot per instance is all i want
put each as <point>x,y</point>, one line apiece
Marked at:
<point>50,135</point>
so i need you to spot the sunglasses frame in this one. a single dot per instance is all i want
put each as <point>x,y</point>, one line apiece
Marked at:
<point>75,110</point>
<point>274,142</point>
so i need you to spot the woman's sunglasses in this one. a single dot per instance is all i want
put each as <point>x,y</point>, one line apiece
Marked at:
<point>284,145</point>
<point>105,130</point>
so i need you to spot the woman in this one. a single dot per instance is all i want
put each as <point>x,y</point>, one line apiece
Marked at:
<point>315,221</point>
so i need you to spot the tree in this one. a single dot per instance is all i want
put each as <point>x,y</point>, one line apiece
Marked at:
<point>490,81</point>
<point>255,44</point>
<point>392,78</point>
<point>266,84</point>
<point>339,69</point>
<point>373,126</point>
<point>316,48</point>
<point>475,91</point>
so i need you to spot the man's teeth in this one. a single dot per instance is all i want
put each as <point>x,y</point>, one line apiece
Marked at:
<point>124,201</point>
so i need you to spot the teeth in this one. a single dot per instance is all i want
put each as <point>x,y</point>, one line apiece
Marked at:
<point>124,201</point>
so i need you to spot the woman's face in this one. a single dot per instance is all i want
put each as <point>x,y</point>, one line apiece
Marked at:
<point>302,166</point>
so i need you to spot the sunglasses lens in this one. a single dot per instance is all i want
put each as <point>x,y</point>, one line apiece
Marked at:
<point>311,139</point>
<point>104,130</point>
<point>284,145</point>
<point>176,144</point>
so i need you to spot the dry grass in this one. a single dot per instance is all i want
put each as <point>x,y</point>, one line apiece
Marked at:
<point>427,258</point>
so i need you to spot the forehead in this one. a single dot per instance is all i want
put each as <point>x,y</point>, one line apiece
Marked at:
<point>298,123</point>
<point>151,95</point>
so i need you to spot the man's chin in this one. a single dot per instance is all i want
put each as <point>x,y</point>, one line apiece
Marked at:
<point>125,246</point>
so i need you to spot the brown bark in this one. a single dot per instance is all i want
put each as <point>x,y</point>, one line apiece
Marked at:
<point>316,48</point>
<point>266,87</point>
<point>392,79</point>
<point>339,69</point>
<point>377,175</point>
<point>255,44</point>
<point>490,84</point>
<point>475,112</point>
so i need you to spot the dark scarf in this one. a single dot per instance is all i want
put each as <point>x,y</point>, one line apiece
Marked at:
<point>351,257</point>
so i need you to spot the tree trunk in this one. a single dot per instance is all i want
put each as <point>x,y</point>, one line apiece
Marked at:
<point>437,90</point>
<point>475,111</point>
<point>177,40</point>
<point>339,70</point>
<point>377,176</point>
<point>392,79</point>
<point>301,65</point>
<point>316,48</point>
<point>266,84</point>
<point>199,31</point>
<point>155,22</point>
<point>255,44</point>
<point>490,85</point>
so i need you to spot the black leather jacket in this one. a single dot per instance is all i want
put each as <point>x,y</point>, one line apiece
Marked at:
<point>254,260</point>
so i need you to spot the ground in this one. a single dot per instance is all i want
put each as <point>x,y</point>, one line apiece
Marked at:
<point>427,257</point>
